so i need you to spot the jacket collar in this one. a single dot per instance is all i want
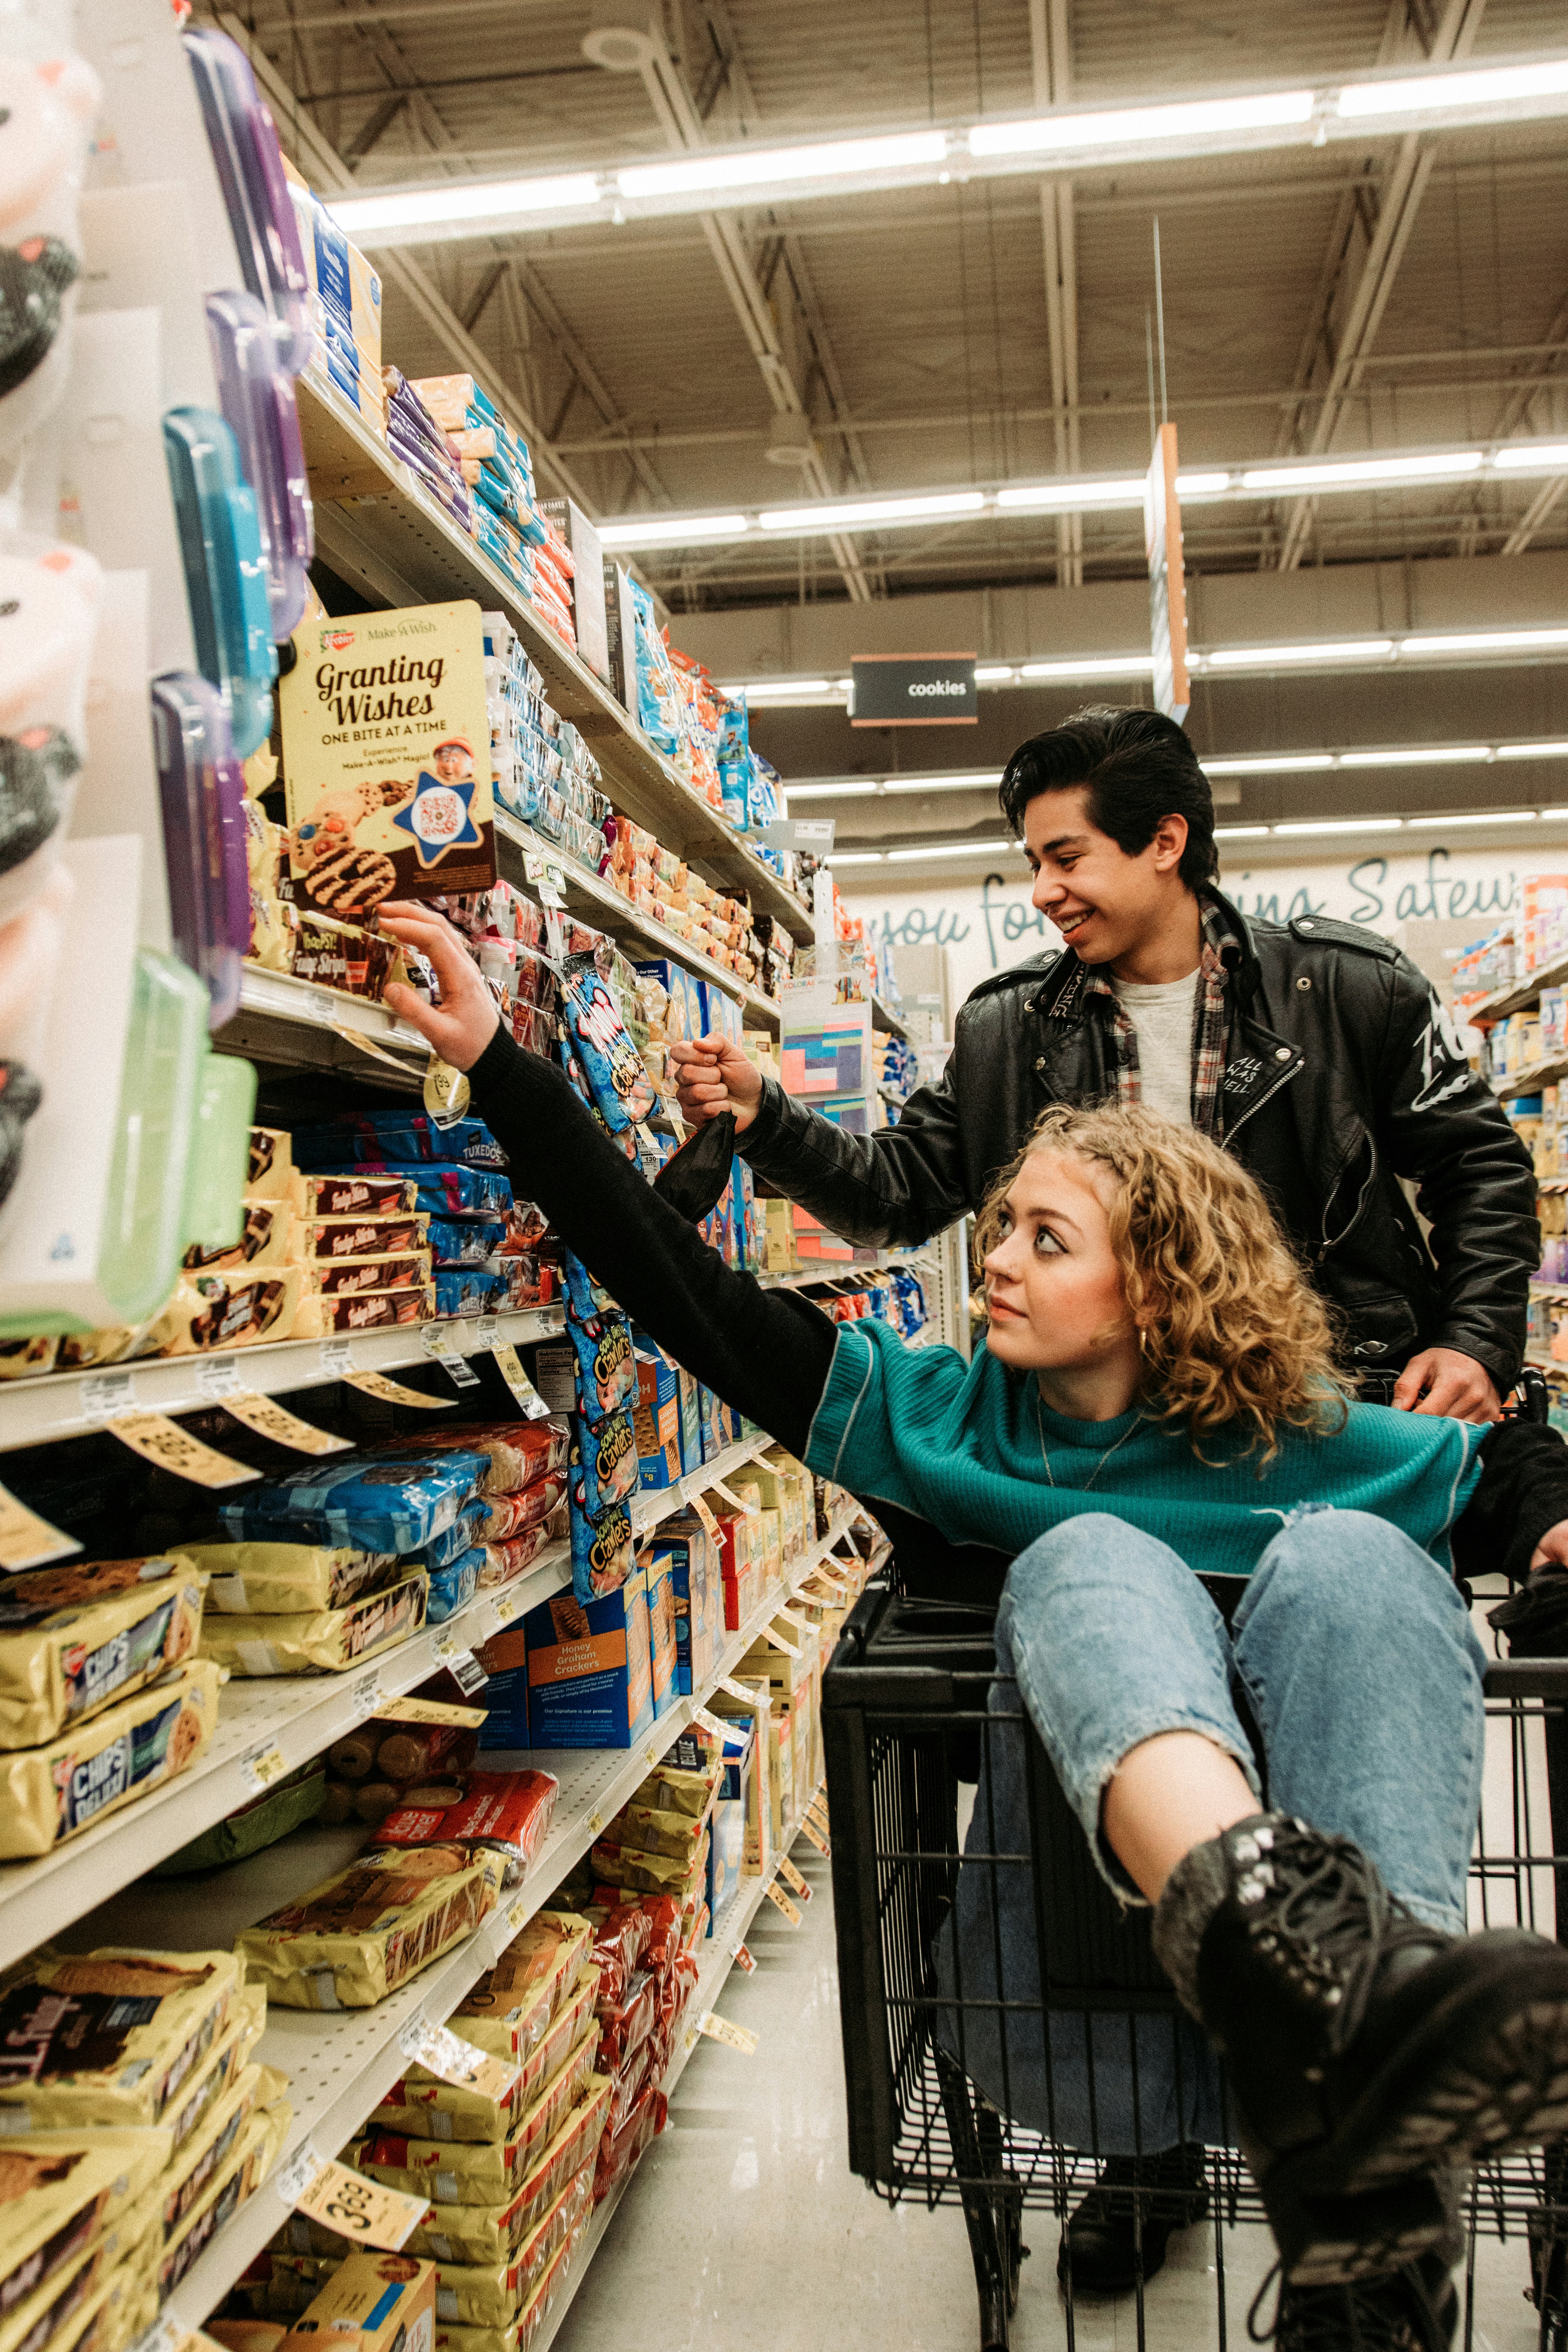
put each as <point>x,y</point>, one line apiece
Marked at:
<point>1067,980</point>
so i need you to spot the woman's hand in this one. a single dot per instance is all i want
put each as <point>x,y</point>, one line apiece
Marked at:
<point>1551,1551</point>
<point>462,1024</point>
<point>712,1075</point>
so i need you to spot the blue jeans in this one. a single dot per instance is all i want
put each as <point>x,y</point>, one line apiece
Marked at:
<point>1357,1658</point>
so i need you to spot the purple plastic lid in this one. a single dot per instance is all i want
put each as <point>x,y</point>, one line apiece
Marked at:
<point>256,393</point>
<point>202,789</point>
<point>243,142</point>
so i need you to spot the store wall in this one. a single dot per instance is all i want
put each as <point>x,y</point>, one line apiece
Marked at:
<point>987,923</point>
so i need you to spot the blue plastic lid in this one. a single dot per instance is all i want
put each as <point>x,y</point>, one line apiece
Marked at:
<point>226,572</point>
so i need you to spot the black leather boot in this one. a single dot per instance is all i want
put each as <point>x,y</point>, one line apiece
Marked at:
<point>1136,2197</point>
<point>1415,2309</point>
<point>1364,2048</point>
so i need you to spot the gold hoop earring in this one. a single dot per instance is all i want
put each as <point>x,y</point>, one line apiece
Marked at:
<point>1142,1340</point>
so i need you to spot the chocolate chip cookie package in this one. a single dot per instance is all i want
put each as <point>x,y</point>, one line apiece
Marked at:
<point>394,1503</point>
<point>387,758</point>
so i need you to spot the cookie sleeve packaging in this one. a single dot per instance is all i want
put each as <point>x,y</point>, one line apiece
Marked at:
<point>372,2303</point>
<point>106,2037</point>
<point>505,1814</point>
<point>60,2190</point>
<point>622,1089</point>
<point>510,2008</point>
<point>50,1792</point>
<point>328,1641</point>
<point>75,1638</point>
<point>351,1941</point>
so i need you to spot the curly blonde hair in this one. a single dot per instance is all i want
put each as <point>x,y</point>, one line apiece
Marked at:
<point>1232,1333</point>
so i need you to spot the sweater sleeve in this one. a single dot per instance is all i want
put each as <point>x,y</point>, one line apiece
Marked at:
<point>1522,1491</point>
<point>767,1353</point>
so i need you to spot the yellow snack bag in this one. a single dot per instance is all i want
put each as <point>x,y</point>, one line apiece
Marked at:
<point>76,1637</point>
<point>48,1793</point>
<point>349,1942</point>
<point>107,2037</point>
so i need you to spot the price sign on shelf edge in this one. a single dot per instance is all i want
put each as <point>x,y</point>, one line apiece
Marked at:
<point>452,2060</point>
<point>358,2209</point>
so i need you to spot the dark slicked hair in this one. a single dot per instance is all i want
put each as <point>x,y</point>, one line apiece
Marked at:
<point>1134,768</point>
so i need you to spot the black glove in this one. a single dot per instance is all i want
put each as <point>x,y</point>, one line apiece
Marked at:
<point>1536,1619</point>
<point>693,1181</point>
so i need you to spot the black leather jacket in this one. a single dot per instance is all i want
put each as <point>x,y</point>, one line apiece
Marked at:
<point>1343,1075</point>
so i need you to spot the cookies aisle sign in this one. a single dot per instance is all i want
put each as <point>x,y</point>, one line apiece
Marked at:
<point>387,743</point>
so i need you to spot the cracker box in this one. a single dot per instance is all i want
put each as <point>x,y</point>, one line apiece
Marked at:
<point>504,1658</point>
<point>656,1417</point>
<point>372,2303</point>
<point>661,1636</point>
<point>590,1669</point>
<point>685,1550</point>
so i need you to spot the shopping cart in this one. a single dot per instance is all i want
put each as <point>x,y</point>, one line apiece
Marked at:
<point>1003,2088</point>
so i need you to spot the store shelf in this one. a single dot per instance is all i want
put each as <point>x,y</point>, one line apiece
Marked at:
<point>730,1932</point>
<point>381,530</point>
<point>844,1270</point>
<point>298,1023</point>
<point>885,1019</point>
<point>70,1404</point>
<point>339,2064</point>
<point>299,1715</point>
<point>652,1505</point>
<point>1520,993</point>
<point>1530,1080</point>
<point>1543,1362</point>
<point>599,902</point>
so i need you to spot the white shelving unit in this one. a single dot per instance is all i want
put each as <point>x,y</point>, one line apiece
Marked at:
<point>339,2064</point>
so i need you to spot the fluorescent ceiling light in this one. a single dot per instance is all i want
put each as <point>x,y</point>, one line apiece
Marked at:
<point>985,779</point>
<point>872,514</point>
<point>957,849</point>
<point>827,791</point>
<point>1240,832</point>
<point>462,200</point>
<point>1347,825</point>
<point>994,674</point>
<point>1486,641</point>
<point>1324,650</point>
<point>855,858</point>
<point>1286,763</point>
<point>1521,456</point>
<point>749,167</point>
<point>1142,125</point>
<point>1093,666</point>
<point>783,689</point>
<point>1533,752</point>
<point>1076,493</point>
<point>1201,486</point>
<point>670,530</point>
<point>1479,817</point>
<point>1417,755</point>
<point>1482,86</point>
<point>1364,473</point>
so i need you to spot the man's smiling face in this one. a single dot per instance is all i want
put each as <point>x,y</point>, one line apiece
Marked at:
<point>1102,901</point>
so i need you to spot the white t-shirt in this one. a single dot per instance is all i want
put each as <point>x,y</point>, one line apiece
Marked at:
<point>1162,1013</point>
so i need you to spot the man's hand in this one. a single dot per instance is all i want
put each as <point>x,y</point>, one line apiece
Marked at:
<point>1446,1380</point>
<point>462,1024</point>
<point>712,1075</point>
<point>1551,1551</point>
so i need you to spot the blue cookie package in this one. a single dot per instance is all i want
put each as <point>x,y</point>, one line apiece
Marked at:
<point>465,1241</point>
<point>622,1090</point>
<point>454,1586</point>
<point>606,1366</point>
<point>466,1530</point>
<point>392,1503</point>
<point>469,1290</point>
<point>384,1138</point>
<point>587,1301</point>
<point>605,1467</point>
<point>601,1548</point>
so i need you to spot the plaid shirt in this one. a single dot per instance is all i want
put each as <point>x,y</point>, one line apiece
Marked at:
<point>1211,1023</point>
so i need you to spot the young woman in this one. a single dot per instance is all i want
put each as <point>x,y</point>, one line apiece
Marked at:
<point>1155,1405</point>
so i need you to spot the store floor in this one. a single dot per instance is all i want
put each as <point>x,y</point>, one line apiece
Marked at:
<point>745,2225</point>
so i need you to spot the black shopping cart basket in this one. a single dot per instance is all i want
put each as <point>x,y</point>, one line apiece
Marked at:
<point>1006,2028</point>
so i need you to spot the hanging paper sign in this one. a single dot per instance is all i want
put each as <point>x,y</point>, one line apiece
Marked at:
<point>386,745</point>
<point>447,1092</point>
<point>159,1440</point>
<point>510,1365</point>
<point>431,1710</point>
<point>793,1879</point>
<point>775,1894</point>
<point>268,1418</point>
<point>451,2060</point>
<point>26,1541</point>
<point>358,2209</point>
<point>735,2036</point>
<point>439,1341</point>
<point>808,1829</point>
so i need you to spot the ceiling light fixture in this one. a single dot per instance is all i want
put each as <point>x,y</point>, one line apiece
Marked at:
<point>748,167</point>
<point>1075,494</point>
<point>1417,755</point>
<point>957,849</point>
<point>1284,763</point>
<point>461,200</point>
<point>1339,650</point>
<point>1346,824</point>
<point>1203,118</point>
<point>1481,86</point>
<point>670,530</point>
<point>1364,473</point>
<point>1240,832</point>
<point>1479,817</point>
<point>1091,665</point>
<point>872,514</point>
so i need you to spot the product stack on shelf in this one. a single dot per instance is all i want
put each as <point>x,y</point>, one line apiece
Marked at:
<point>332,1480</point>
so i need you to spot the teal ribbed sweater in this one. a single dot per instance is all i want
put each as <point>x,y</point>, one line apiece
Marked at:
<point>960,1445</point>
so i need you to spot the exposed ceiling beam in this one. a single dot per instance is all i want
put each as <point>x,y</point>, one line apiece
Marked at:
<point>325,169</point>
<point>1388,227</point>
<point>684,129</point>
<point>1051,57</point>
<point>375,127</point>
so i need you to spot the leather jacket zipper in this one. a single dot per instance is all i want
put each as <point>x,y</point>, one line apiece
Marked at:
<point>1267,1095</point>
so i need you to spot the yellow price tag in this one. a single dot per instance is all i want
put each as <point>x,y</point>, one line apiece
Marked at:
<point>808,1829</point>
<point>26,1541</point>
<point>745,1958</point>
<point>509,1364</point>
<point>376,1384</point>
<point>162,1442</point>
<point>775,1894</point>
<point>450,2059</point>
<point>361,2210</point>
<point>431,1710</point>
<point>700,1504</point>
<point>261,1766</point>
<point>793,1879</point>
<point>268,1418</point>
<point>720,2029</point>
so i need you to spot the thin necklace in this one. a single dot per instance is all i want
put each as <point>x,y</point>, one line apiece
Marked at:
<point>1039,1424</point>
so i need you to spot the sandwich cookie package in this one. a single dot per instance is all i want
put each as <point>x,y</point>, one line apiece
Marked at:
<point>351,1941</point>
<point>327,1641</point>
<point>107,2037</point>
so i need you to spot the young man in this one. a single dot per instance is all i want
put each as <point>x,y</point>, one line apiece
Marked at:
<point>1313,1050</point>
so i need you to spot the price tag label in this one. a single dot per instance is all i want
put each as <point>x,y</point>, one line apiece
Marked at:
<point>466,1671</point>
<point>509,1364</point>
<point>712,1724</point>
<point>745,1958</point>
<point>216,1377</point>
<point>294,2179</point>
<point>444,2055</point>
<point>738,1690</point>
<point>552,886</point>
<point>365,1695</point>
<point>26,1541</point>
<point>596,1821</point>
<point>775,1894</point>
<point>268,1418</point>
<point>818,1807</point>
<point>504,1607</point>
<point>441,1344</point>
<point>106,1394</point>
<point>262,1766</point>
<point>447,1092</point>
<point>808,1829</point>
<point>165,2333</point>
<point>747,1503</point>
<point>431,1710</point>
<point>695,1500</point>
<point>793,1880</point>
<point>778,1641</point>
<point>735,2036</point>
<point>358,2209</point>
<point>655,1755</point>
<point>376,1384</point>
<point>159,1440</point>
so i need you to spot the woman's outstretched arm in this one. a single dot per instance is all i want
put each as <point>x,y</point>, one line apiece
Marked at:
<point>765,1352</point>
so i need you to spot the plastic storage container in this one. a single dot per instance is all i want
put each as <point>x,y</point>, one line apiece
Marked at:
<point>201,788</point>
<point>225,575</point>
<point>256,393</point>
<point>244,140</point>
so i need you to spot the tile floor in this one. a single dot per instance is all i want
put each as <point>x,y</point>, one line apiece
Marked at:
<point>743,2224</point>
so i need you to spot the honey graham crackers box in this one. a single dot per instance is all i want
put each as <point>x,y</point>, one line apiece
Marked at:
<point>386,765</point>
